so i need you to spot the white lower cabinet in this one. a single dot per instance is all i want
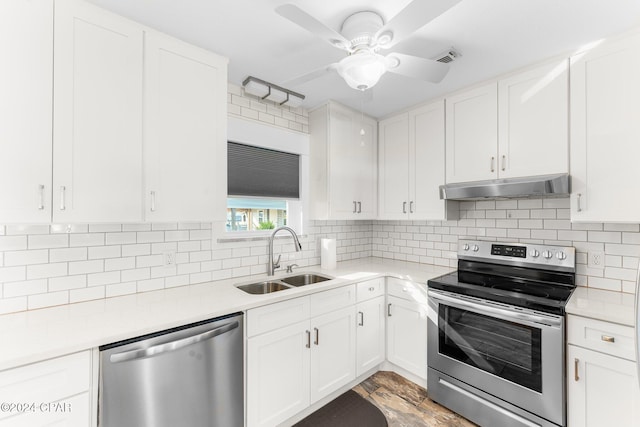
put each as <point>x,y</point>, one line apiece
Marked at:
<point>53,392</point>
<point>370,329</point>
<point>293,359</point>
<point>602,381</point>
<point>407,326</point>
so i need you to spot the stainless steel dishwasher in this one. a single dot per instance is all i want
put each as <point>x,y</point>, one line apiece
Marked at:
<point>189,376</point>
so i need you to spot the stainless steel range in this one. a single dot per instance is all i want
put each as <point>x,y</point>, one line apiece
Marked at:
<point>496,333</point>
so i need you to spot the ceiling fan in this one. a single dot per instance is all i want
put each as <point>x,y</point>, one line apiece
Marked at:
<point>364,34</point>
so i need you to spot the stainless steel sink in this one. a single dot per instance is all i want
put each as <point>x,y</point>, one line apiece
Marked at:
<point>269,286</point>
<point>305,279</point>
<point>266,287</point>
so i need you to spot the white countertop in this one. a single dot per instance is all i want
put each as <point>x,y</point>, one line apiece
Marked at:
<point>609,306</point>
<point>37,335</point>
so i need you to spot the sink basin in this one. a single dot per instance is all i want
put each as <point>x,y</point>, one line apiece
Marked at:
<point>305,279</point>
<point>264,287</point>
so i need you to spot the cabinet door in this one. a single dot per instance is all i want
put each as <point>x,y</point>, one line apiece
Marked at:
<point>407,335</point>
<point>370,334</point>
<point>472,135</point>
<point>26,84</point>
<point>342,170</point>
<point>426,162</point>
<point>277,375</point>
<point>333,352</point>
<point>97,132</point>
<point>365,161</point>
<point>393,170</point>
<point>185,131</point>
<point>601,390</point>
<point>605,130</point>
<point>533,113</point>
<point>352,164</point>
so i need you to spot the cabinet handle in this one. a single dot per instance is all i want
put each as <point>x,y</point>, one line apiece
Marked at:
<point>361,322</point>
<point>389,310</point>
<point>504,162</point>
<point>355,207</point>
<point>41,197</point>
<point>411,206</point>
<point>607,338</point>
<point>493,161</point>
<point>578,198</point>
<point>404,207</point>
<point>62,205</point>
<point>153,201</point>
<point>308,339</point>
<point>359,207</point>
<point>317,340</point>
<point>576,361</point>
<point>371,289</point>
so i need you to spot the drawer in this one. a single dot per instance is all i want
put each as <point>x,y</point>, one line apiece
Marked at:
<point>406,289</point>
<point>324,302</point>
<point>610,338</point>
<point>274,316</point>
<point>48,381</point>
<point>370,289</point>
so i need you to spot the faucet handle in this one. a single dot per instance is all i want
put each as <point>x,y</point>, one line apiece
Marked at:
<point>290,267</point>
<point>276,263</point>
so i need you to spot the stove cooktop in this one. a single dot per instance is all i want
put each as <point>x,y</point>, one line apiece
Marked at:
<point>516,291</point>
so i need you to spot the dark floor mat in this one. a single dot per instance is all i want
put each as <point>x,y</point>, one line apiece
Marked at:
<point>347,410</point>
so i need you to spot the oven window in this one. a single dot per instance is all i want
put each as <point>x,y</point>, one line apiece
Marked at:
<point>509,350</point>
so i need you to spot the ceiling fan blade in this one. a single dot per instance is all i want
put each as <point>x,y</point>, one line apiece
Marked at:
<point>310,76</point>
<point>299,17</point>
<point>419,68</point>
<point>413,17</point>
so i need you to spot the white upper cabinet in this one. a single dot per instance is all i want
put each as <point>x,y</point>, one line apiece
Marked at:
<point>411,165</point>
<point>97,129</point>
<point>26,85</point>
<point>472,134</point>
<point>343,175</point>
<point>515,127</point>
<point>605,132</point>
<point>184,131</point>
<point>533,122</point>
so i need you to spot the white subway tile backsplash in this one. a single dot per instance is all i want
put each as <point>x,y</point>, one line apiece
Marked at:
<point>136,274</point>
<point>119,289</point>
<point>85,267</point>
<point>150,236</point>
<point>122,238</point>
<point>12,230</point>
<point>150,285</point>
<point>28,287</point>
<point>136,250</point>
<point>102,252</point>
<point>149,261</point>
<point>104,228</point>
<point>42,271</point>
<point>47,300</point>
<point>13,258</point>
<point>68,254</point>
<point>13,243</point>
<point>86,294</point>
<point>106,278</point>
<point>119,264</point>
<point>47,241</point>
<point>67,282</point>
<point>88,239</point>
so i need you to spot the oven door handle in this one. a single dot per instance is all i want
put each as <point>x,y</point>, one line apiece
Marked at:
<point>495,311</point>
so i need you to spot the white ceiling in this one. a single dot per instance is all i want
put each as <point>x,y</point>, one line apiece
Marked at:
<point>493,36</point>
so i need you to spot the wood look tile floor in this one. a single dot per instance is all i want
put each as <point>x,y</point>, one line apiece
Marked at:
<point>405,404</point>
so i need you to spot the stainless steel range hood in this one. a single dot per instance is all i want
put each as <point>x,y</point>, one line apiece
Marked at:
<point>533,186</point>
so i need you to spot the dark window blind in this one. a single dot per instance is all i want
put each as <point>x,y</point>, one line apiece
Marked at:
<point>260,172</point>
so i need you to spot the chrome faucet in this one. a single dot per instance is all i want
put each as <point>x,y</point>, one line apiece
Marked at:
<point>276,264</point>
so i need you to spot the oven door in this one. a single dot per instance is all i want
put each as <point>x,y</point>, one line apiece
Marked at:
<point>514,354</point>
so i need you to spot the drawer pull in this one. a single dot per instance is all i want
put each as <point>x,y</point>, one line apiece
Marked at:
<point>389,310</point>
<point>308,339</point>
<point>371,289</point>
<point>317,341</point>
<point>576,361</point>
<point>607,338</point>
<point>361,322</point>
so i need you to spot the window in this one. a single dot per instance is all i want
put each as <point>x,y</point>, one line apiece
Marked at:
<point>263,187</point>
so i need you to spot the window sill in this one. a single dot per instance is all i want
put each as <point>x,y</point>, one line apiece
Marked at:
<point>254,238</point>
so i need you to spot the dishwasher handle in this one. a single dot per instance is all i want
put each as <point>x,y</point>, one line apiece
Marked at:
<point>171,346</point>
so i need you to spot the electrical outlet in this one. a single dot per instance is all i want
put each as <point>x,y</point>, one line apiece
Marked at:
<point>596,259</point>
<point>169,258</point>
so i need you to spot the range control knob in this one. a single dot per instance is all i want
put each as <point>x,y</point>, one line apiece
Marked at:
<point>535,253</point>
<point>547,254</point>
<point>465,247</point>
<point>475,248</point>
<point>561,255</point>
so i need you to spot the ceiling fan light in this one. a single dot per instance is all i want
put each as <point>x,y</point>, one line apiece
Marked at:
<point>362,70</point>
